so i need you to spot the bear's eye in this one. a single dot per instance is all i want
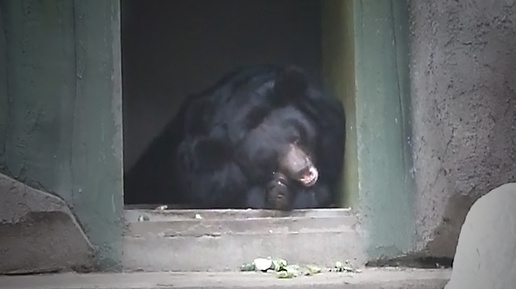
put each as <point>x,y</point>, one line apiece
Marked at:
<point>294,139</point>
<point>255,117</point>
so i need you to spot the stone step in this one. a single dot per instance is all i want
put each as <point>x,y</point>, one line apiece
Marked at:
<point>237,227</point>
<point>221,240</point>
<point>250,226</point>
<point>133,212</point>
<point>370,278</point>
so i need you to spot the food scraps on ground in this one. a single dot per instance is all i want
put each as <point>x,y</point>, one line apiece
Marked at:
<point>283,270</point>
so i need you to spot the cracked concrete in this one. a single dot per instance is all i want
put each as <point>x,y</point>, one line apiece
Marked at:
<point>38,232</point>
<point>463,66</point>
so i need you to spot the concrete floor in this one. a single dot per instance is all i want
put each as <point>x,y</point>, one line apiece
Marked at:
<point>386,278</point>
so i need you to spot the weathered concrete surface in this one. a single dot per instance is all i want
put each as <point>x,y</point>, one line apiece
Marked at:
<point>463,67</point>
<point>61,109</point>
<point>38,233</point>
<point>369,279</point>
<point>222,240</point>
<point>486,253</point>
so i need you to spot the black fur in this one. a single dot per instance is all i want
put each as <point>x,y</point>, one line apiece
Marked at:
<point>221,149</point>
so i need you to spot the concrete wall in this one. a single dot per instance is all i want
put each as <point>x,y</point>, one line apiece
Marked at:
<point>175,48</point>
<point>463,72</point>
<point>60,109</point>
<point>38,232</point>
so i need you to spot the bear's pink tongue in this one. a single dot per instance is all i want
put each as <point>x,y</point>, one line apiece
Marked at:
<point>309,178</point>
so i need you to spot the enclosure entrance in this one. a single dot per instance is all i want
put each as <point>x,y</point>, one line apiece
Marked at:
<point>171,49</point>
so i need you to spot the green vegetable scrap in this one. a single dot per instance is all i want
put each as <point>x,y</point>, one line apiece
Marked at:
<point>344,267</point>
<point>284,271</point>
<point>247,267</point>
<point>289,271</point>
<point>285,274</point>
<point>269,264</point>
<point>278,264</point>
<point>312,270</point>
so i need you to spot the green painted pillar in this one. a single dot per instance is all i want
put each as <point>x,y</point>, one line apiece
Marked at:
<point>365,63</point>
<point>60,109</point>
<point>383,119</point>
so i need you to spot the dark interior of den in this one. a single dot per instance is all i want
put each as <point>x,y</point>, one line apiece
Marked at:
<point>223,106</point>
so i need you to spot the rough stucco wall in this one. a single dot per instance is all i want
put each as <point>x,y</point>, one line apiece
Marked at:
<point>463,62</point>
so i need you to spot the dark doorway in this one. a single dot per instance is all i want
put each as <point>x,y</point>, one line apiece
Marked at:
<point>171,49</point>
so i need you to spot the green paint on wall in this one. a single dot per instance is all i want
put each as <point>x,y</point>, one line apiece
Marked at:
<point>97,166</point>
<point>40,82</point>
<point>365,63</point>
<point>4,118</point>
<point>63,118</point>
<point>384,126</point>
<point>338,70</point>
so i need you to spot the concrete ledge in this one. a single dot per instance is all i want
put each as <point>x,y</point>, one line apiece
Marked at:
<point>132,212</point>
<point>222,240</point>
<point>38,232</point>
<point>371,278</point>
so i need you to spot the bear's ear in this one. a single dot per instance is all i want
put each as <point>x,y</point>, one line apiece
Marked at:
<point>291,82</point>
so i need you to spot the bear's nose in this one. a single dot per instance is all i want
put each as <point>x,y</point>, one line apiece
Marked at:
<point>308,176</point>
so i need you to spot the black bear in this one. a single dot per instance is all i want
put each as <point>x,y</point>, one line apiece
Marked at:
<point>261,137</point>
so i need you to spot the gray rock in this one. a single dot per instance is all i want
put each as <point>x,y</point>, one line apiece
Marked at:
<point>38,232</point>
<point>486,252</point>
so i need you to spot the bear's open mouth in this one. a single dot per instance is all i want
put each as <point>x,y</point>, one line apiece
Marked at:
<point>309,176</point>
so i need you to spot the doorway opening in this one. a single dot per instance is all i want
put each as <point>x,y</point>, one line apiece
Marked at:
<point>172,49</point>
